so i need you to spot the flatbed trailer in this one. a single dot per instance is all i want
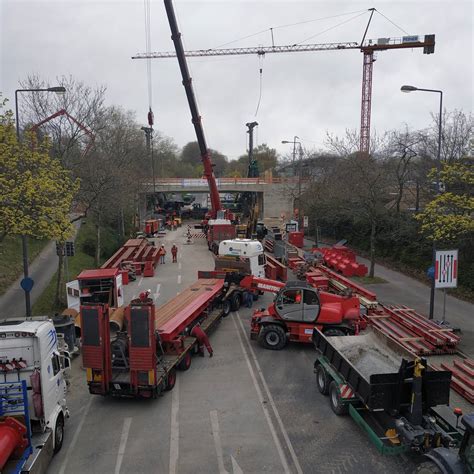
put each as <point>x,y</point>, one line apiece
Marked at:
<point>393,397</point>
<point>140,358</point>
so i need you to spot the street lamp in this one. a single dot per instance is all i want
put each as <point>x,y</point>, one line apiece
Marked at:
<point>438,173</point>
<point>58,90</point>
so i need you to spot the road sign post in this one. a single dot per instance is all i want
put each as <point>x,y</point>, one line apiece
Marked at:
<point>446,272</point>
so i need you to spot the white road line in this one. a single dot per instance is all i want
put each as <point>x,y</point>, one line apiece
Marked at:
<point>156,295</point>
<point>283,460</point>
<point>179,279</point>
<point>235,467</point>
<point>217,442</point>
<point>272,402</point>
<point>140,281</point>
<point>179,265</point>
<point>71,447</point>
<point>174,435</point>
<point>123,442</point>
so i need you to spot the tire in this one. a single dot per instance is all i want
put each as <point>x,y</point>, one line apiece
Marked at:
<point>335,399</point>
<point>236,301</point>
<point>59,433</point>
<point>322,380</point>
<point>170,380</point>
<point>428,467</point>
<point>272,337</point>
<point>226,308</point>
<point>185,362</point>
<point>334,332</point>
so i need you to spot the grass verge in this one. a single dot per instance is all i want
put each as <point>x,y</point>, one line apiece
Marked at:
<point>366,280</point>
<point>11,258</point>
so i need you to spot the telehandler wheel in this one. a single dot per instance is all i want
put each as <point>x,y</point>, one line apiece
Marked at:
<point>272,337</point>
<point>59,433</point>
<point>334,332</point>
<point>185,362</point>
<point>322,380</point>
<point>336,402</point>
<point>428,467</point>
<point>226,308</point>
<point>236,301</point>
<point>171,380</point>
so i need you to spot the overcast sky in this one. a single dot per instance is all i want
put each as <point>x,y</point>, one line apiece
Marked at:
<point>304,94</point>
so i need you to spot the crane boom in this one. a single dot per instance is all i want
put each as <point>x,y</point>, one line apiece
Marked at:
<point>196,118</point>
<point>368,47</point>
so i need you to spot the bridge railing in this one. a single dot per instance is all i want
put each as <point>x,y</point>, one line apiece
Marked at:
<point>202,182</point>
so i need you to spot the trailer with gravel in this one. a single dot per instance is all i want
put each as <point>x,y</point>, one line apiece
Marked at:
<point>392,396</point>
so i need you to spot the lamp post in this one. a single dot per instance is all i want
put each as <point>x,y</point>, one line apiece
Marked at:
<point>438,173</point>
<point>295,141</point>
<point>58,90</point>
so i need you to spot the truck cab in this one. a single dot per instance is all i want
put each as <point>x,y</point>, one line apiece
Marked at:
<point>29,354</point>
<point>248,250</point>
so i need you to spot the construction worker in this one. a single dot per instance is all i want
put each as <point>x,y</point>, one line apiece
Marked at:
<point>162,254</point>
<point>248,299</point>
<point>202,339</point>
<point>174,253</point>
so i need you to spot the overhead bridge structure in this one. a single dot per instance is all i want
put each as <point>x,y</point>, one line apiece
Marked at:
<point>276,196</point>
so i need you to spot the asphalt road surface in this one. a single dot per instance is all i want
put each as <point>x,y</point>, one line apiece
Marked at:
<point>246,410</point>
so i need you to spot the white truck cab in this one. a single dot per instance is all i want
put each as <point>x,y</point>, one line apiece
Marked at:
<point>29,357</point>
<point>249,249</point>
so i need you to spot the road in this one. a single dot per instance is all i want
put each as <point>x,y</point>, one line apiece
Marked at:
<point>246,410</point>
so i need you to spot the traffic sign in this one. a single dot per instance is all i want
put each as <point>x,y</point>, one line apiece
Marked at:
<point>70,250</point>
<point>446,269</point>
<point>305,221</point>
<point>27,284</point>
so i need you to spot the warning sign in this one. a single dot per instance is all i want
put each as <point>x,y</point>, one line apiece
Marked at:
<point>446,269</point>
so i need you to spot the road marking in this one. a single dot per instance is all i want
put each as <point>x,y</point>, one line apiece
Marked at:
<point>217,442</point>
<point>71,447</point>
<point>284,463</point>
<point>235,467</point>
<point>156,295</point>
<point>123,442</point>
<point>174,435</point>
<point>179,265</point>
<point>272,402</point>
<point>140,281</point>
<point>179,279</point>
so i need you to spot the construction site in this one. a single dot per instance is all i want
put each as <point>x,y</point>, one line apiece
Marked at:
<point>200,314</point>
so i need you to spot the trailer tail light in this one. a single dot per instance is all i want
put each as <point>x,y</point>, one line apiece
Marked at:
<point>151,377</point>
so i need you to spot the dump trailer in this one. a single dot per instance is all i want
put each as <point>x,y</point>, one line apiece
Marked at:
<point>135,352</point>
<point>32,395</point>
<point>391,396</point>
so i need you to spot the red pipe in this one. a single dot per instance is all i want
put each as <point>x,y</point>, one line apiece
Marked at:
<point>11,439</point>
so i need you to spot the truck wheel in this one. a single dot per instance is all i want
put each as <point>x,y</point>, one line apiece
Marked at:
<point>272,337</point>
<point>170,380</point>
<point>334,332</point>
<point>59,433</point>
<point>185,362</point>
<point>428,467</point>
<point>322,380</point>
<point>226,308</point>
<point>236,301</point>
<point>336,402</point>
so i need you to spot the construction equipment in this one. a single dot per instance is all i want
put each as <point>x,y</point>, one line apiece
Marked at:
<point>367,47</point>
<point>32,395</point>
<point>387,391</point>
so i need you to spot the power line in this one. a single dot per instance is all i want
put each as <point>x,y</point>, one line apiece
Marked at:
<point>394,24</point>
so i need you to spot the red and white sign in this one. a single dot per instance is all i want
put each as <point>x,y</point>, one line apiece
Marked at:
<point>346,391</point>
<point>446,269</point>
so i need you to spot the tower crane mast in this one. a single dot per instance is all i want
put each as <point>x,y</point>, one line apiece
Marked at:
<point>367,47</point>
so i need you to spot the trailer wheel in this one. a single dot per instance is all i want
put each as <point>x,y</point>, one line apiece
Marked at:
<point>272,337</point>
<point>322,380</point>
<point>171,380</point>
<point>59,433</point>
<point>428,467</point>
<point>336,402</point>
<point>226,308</point>
<point>236,301</point>
<point>334,332</point>
<point>185,362</point>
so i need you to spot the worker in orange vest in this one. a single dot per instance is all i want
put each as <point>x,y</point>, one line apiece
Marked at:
<point>162,253</point>
<point>202,339</point>
<point>174,253</point>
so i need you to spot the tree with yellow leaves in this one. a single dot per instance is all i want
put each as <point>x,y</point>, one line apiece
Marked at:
<point>36,192</point>
<point>450,215</point>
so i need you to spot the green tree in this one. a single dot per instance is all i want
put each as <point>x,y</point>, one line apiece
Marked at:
<point>190,157</point>
<point>450,214</point>
<point>36,192</point>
